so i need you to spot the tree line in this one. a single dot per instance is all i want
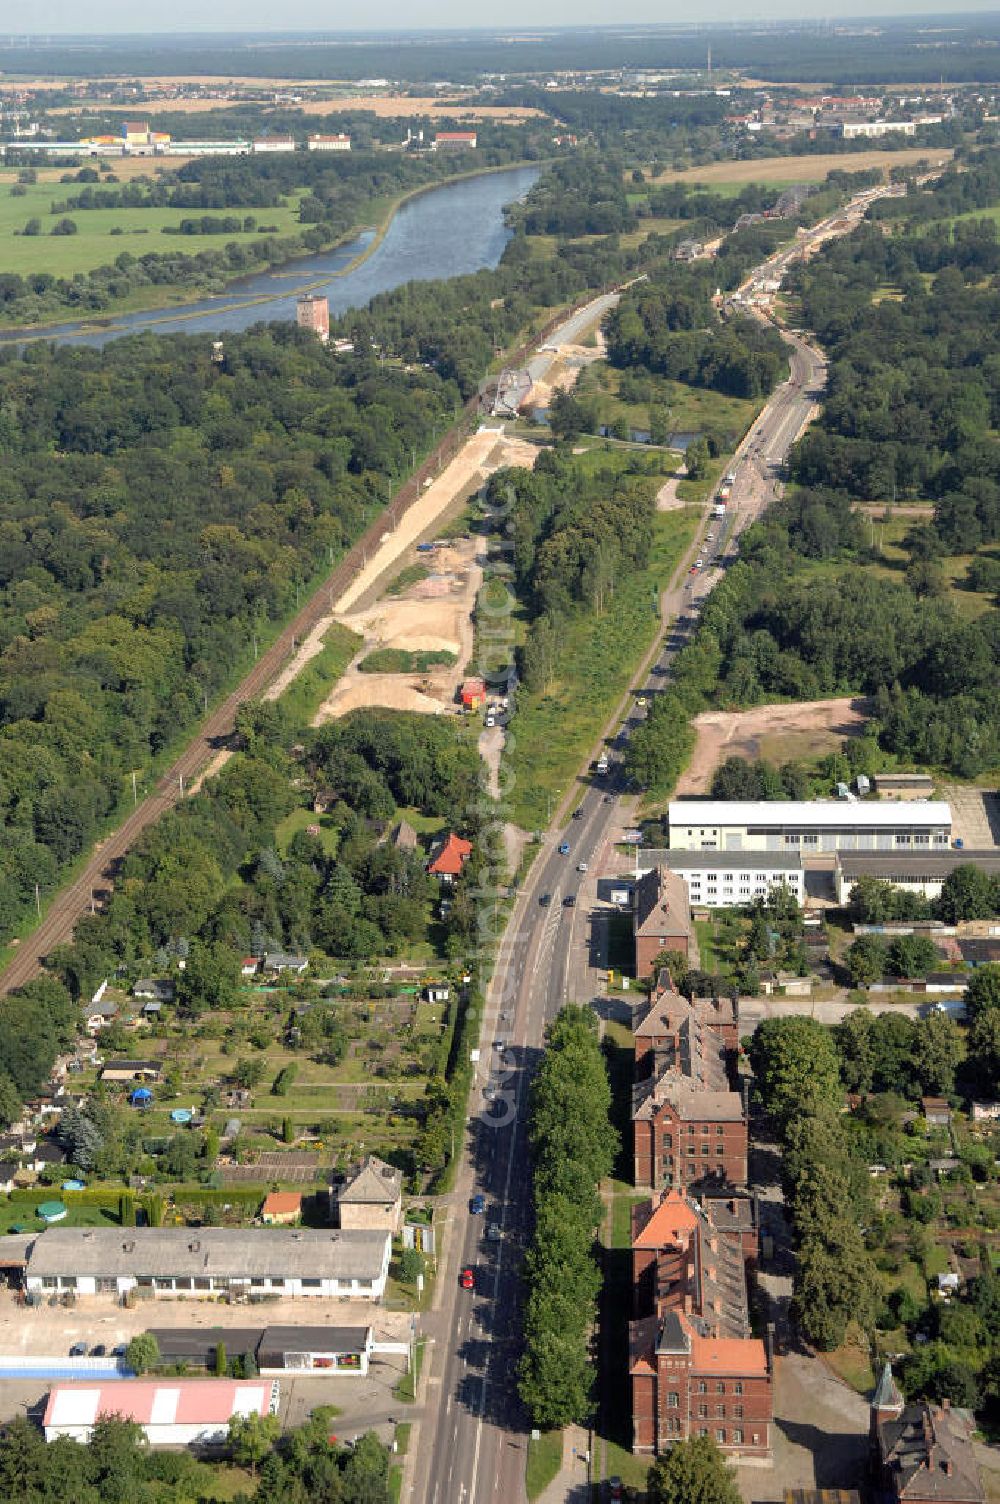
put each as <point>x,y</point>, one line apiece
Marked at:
<point>303,1466</point>
<point>572,1150</point>
<point>158,511</point>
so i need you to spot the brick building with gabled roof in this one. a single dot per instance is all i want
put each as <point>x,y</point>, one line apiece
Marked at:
<point>689,1127</point>
<point>694,1366</point>
<point>922,1453</point>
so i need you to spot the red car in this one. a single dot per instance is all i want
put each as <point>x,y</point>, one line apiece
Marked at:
<point>467,1279</point>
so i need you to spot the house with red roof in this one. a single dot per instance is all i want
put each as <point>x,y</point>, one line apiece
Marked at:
<point>449,857</point>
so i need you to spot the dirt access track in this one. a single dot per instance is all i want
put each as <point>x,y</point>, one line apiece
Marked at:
<point>433,614</point>
<point>778,733</point>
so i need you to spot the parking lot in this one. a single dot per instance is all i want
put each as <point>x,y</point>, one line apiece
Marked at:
<point>365,1403</point>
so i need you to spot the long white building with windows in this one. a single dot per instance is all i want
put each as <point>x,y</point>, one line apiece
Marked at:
<point>727,879</point>
<point>809,827</point>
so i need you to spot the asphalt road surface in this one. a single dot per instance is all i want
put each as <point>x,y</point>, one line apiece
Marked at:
<point>471,1446</point>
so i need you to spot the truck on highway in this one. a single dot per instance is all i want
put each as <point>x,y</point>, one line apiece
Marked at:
<point>719,510</point>
<point>725,491</point>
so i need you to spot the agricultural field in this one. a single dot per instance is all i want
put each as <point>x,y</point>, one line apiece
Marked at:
<point>783,171</point>
<point>103,234</point>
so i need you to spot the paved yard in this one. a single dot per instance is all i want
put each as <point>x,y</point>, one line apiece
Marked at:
<point>975,815</point>
<point>820,1433</point>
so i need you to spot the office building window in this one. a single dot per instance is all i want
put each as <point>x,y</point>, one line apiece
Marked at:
<point>738,1387</point>
<point>720,1437</point>
<point>673,1401</point>
<point>720,1388</point>
<point>737,1437</point>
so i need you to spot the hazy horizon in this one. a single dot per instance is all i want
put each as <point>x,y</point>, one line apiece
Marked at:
<point>116,18</point>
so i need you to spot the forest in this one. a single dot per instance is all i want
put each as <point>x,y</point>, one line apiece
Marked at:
<point>792,51</point>
<point>911,414</point>
<point>158,512</point>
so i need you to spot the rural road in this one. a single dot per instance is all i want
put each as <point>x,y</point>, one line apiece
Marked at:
<point>470,1447</point>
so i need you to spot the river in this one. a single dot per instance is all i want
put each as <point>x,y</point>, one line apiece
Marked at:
<point>445,232</point>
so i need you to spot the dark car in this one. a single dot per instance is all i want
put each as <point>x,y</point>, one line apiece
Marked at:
<point>545,900</point>
<point>78,1350</point>
<point>578,812</point>
<point>569,902</point>
<point>100,1351</point>
<point>477,1205</point>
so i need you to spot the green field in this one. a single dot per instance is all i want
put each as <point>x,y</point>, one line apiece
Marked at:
<point>554,730</point>
<point>103,234</point>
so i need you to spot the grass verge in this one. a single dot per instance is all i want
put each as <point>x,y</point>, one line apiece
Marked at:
<point>544,1462</point>
<point>406,1389</point>
<point>301,699</point>
<point>554,729</point>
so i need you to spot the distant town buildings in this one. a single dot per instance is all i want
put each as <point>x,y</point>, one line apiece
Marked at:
<point>329,143</point>
<point>455,141</point>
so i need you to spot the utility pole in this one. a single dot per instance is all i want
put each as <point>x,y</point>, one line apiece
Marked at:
<point>38,902</point>
<point>135,791</point>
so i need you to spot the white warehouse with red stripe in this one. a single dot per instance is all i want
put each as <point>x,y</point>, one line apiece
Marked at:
<point>171,1412</point>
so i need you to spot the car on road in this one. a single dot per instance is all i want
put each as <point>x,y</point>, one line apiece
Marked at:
<point>609,798</point>
<point>467,1279</point>
<point>641,701</point>
<point>545,900</point>
<point>693,569</point>
<point>581,866</point>
<point>564,848</point>
<point>494,1233</point>
<point>578,812</point>
<point>78,1350</point>
<point>99,1351</point>
<point>477,1205</point>
<point>569,902</point>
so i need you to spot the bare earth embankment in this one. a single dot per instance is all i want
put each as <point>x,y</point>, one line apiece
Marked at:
<point>779,733</point>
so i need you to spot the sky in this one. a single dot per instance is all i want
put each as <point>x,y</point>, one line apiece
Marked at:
<point>56,17</point>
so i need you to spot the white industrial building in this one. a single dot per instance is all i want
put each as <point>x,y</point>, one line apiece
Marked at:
<point>329,143</point>
<point>808,826</point>
<point>201,1261</point>
<point>726,879</point>
<point>171,1412</point>
<point>914,871</point>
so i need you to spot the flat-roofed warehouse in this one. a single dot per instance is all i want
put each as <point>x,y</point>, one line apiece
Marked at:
<point>809,826</point>
<point>182,1261</point>
<point>922,872</point>
<point>274,1349</point>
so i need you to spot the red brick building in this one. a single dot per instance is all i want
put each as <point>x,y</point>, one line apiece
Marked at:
<point>689,1127</point>
<point>661,918</point>
<point>694,1367</point>
<point>922,1453</point>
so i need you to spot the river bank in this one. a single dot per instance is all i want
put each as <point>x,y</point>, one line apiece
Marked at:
<point>329,268</point>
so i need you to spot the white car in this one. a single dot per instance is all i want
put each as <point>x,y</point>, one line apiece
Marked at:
<point>581,866</point>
